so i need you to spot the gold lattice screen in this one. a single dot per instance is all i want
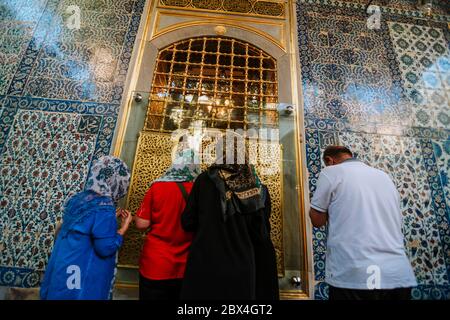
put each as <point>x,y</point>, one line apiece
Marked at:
<point>153,157</point>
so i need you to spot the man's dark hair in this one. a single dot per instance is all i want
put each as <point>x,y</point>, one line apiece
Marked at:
<point>336,151</point>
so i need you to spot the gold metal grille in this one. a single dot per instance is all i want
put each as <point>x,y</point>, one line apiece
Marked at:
<point>213,82</point>
<point>274,8</point>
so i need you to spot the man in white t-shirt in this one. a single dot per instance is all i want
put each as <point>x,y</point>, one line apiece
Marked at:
<point>365,257</point>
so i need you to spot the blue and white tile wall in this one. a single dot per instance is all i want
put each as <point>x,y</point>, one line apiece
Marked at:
<point>386,94</point>
<point>60,93</point>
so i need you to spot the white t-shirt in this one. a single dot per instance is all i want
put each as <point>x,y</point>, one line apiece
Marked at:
<point>365,248</point>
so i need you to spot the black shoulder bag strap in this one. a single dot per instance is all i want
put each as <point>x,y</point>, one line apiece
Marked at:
<point>183,191</point>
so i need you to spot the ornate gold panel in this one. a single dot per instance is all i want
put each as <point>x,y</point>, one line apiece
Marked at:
<point>153,157</point>
<point>265,8</point>
<point>249,7</point>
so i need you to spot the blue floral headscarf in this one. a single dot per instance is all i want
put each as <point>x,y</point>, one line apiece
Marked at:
<point>109,177</point>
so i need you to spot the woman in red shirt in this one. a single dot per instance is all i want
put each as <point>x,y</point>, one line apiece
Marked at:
<point>165,250</point>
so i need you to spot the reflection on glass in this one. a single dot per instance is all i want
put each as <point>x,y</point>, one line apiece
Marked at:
<point>216,80</point>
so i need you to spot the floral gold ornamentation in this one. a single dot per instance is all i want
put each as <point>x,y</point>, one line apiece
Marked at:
<point>248,7</point>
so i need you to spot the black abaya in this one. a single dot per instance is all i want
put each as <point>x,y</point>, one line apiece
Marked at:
<point>232,259</point>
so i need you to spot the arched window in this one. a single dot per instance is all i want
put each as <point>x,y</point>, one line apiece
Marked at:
<point>213,82</point>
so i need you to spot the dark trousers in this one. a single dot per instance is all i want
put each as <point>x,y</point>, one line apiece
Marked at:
<point>376,294</point>
<point>168,290</point>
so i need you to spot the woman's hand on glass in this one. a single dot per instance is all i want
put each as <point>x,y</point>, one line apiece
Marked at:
<point>126,219</point>
<point>121,213</point>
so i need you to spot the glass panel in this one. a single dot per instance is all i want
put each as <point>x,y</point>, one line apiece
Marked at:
<point>253,52</point>
<point>182,46</point>
<point>268,63</point>
<point>239,61</point>
<point>195,57</point>
<point>192,84</point>
<point>269,89</point>
<point>254,75</point>
<point>163,67</point>
<point>225,60</point>
<point>253,116</point>
<point>238,98</point>
<point>254,63</point>
<point>166,55</point>
<point>227,84</point>
<point>239,74</point>
<point>153,122</point>
<point>220,88</point>
<point>269,118</point>
<point>176,95</point>
<point>194,70</point>
<point>180,56</point>
<point>197,45</point>
<point>253,88</point>
<point>210,59</point>
<point>159,93</point>
<point>226,46</point>
<point>212,46</point>
<point>269,76</point>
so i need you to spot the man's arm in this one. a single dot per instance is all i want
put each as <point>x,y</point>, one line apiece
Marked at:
<point>321,201</point>
<point>318,219</point>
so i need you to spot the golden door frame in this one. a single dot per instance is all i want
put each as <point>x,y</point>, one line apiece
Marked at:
<point>152,41</point>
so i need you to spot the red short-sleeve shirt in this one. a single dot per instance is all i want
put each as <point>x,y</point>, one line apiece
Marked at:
<point>166,246</point>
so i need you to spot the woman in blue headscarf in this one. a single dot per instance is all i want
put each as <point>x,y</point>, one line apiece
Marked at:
<point>83,261</point>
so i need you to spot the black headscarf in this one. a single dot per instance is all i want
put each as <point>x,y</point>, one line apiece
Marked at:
<point>239,187</point>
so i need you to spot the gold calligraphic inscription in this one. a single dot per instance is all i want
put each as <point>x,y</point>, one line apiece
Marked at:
<point>269,8</point>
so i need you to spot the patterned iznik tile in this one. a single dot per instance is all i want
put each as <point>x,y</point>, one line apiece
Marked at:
<point>45,158</point>
<point>442,154</point>
<point>52,121</point>
<point>424,60</point>
<point>319,234</point>
<point>437,292</point>
<point>421,292</point>
<point>407,8</point>
<point>46,151</point>
<point>18,20</point>
<point>18,277</point>
<point>87,64</point>
<point>35,249</point>
<point>14,39</point>
<point>426,237</point>
<point>22,10</point>
<point>115,6</point>
<point>346,73</point>
<point>355,92</point>
<point>439,6</point>
<point>44,161</point>
<point>2,99</point>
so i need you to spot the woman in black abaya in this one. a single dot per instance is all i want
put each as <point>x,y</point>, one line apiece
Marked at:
<point>232,255</point>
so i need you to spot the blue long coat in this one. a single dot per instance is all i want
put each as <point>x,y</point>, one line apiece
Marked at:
<point>83,260</point>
